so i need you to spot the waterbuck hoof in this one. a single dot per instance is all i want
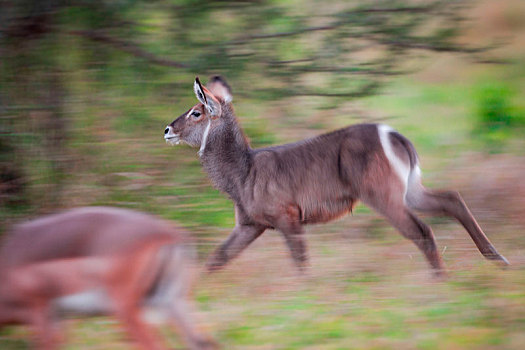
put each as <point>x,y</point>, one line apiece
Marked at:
<point>303,268</point>
<point>205,344</point>
<point>497,258</point>
<point>213,266</point>
<point>501,261</point>
<point>440,275</point>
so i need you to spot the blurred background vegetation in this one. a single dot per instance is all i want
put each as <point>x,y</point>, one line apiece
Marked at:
<point>87,88</point>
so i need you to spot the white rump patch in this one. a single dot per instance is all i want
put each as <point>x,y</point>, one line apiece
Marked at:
<point>204,138</point>
<point>401,168</point>
<point>415,175</point>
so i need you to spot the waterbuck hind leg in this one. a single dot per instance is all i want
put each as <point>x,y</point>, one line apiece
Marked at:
<point>237,241</point>
<point>410,227</point>
<point>451,204</point>
<point>421,234</point>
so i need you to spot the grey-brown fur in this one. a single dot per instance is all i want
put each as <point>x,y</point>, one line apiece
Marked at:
<point>315,180</point>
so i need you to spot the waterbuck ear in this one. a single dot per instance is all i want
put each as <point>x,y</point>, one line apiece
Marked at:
<point>220,88</point>
<point>213,106</point>
<point>199,91</point>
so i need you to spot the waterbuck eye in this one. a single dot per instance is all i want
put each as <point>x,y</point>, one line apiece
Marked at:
<point>196,114</point>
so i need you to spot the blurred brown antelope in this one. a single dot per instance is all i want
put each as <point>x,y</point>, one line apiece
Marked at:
<point>92,261</point>
<point>315,180</point>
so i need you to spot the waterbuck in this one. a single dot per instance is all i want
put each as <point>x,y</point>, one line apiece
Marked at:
<point>315,180</point>
<point>97,260</point>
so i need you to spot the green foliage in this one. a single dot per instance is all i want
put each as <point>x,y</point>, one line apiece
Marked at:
<point>498,118</point>
<point>259,136</point>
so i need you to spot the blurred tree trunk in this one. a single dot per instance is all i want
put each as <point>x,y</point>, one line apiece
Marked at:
<point>33,98</point>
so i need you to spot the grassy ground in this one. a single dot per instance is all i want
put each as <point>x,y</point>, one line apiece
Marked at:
<point>360,293</point>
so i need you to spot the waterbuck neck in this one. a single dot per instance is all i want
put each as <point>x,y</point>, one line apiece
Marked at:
<point>227,155</point>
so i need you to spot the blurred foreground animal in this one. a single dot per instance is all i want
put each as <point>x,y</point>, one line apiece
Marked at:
<point>315,180</point>
<point>92,261</point>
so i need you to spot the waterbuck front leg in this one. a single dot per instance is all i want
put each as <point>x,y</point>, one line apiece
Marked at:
<point>240,238</point>
<point>297,245</point>
<point>290,226</point>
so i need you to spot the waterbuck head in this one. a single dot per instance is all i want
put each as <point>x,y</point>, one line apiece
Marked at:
<point>193,126</point>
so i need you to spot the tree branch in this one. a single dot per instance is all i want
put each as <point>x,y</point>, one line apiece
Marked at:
<point>428,46</point>
<point>334,69</point>
<point>248,38</point>
<point>406,9</point>
<point>366,90</point>
<point>128,47</point>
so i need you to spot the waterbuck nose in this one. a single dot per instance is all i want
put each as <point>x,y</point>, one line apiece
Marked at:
<point>167,130</point>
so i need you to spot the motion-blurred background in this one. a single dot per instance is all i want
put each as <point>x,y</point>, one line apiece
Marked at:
<point>87,88</point>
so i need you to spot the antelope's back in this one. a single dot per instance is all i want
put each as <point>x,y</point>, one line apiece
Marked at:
<point>86,231</point>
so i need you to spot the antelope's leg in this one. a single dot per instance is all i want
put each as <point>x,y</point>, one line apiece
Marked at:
<point>174,299</point>
<point>389,202</point>
<point>451,204</point>
<point>182,313</point>
<point>293,233</point>
<point>297,246</point>
<point>237,241</point>
<point>127,286</point>
<point>142,333</point>
<point>47,336</point>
